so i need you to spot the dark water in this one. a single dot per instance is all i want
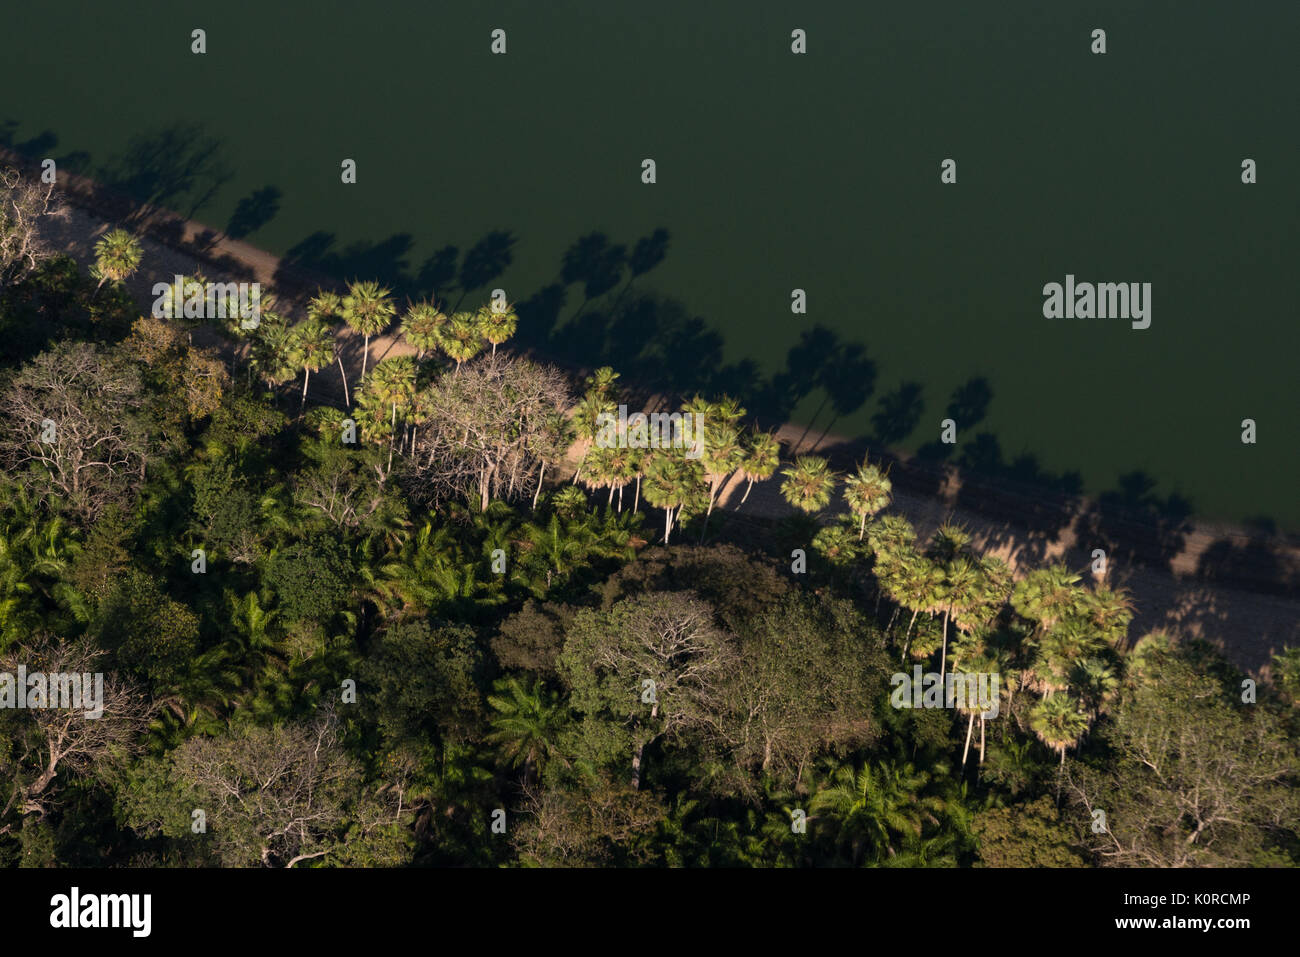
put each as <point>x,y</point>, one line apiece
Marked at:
<point>775,172</point>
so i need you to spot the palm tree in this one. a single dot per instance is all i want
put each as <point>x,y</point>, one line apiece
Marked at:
<point>325,305</point>
<point>723,454</point>
<point>392,384</point>
<point>549,444</point>
<point>367,309</point>
<point>867,491</point>
<point>462,338</point>
<point>879,806</point>
<point>602,383</point>
<point>526,724</point>
<point>313,349</point>
<point>670,483</point>
<point>960,588</point>
<point>422,327</point>
<point>762,456</point>
<point>808,483</point>
<point>117,257</point>
<point>587,421</point>
<point>273,353</point>
<point>1097,684</point>
<point>1058,723</point>
<point>1047,595</point>
<point>498,326</point>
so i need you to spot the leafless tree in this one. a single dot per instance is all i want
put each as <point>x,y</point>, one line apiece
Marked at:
<point>283,795</point>
<point>70,425</point>
<point>23,203</point>
<point>484,428</point>
<point>58,739</point>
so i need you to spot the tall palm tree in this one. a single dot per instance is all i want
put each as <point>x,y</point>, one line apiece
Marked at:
<point>498,326</point>
<point>117,257</point>
<point>1058,723</point>
<point>313,349</point>
<point>1047,595</point>
<point>462,338</point>
<point>670,483</point>
<point>422,327</point>
<point>392,384</point>
<point>762,456</point>
<point>808,483</point>
<point>960,588</point>
<point>867,491</point>
<point>273,353</point>
<point>722,455</point>
<point>586,421</point>
<point>549,444</point>
<point>367,309</point>
<point>327,307</point>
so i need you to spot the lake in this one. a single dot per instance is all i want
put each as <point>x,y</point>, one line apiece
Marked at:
<point>774,172</point>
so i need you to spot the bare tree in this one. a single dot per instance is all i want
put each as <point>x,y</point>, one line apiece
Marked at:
<point>485,427</point>
<point>280,796</point>
<point>70,425</point>
<point>59,739</point>
<point>23,203</point>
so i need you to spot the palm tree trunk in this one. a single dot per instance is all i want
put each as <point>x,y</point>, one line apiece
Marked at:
<point>943,657</point>
<point>862,529</point>
<point>970,726</point>
<point>365,357</point>
<point>748,489</point>
<point>541,474</point>
<point>344,374</point>
<point>306,377</point>
<point>637,501</point>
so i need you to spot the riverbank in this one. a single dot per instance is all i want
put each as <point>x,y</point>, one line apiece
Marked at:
<point>1231,585</point>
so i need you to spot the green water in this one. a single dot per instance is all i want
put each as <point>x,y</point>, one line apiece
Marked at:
<point>775,171</point>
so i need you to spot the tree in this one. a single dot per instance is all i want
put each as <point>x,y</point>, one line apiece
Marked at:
<point>72,427</point>
<point>526,725</point>
<point>486,428</point>
<point>498,325</point>
<point>762,456</point>
<point>867,491</point>
<point>651,667</point>
<point>422,327</point>
<point>462,338</point>
<point>54,741</point>
<point>281,796</point>
<point>1197,779</point>
<point>1058,723</point>
<point>808,483</point>
<point>117,256</point>
<point>23,204</point>
<point>313,349</point>
<point>367,309</point>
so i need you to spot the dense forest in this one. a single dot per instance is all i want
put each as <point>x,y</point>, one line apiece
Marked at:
<point>433,622</point>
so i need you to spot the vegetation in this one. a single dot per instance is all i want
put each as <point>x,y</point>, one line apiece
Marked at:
<point>373,633</point>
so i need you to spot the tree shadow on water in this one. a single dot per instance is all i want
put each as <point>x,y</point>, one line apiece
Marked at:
<point>179,167</point>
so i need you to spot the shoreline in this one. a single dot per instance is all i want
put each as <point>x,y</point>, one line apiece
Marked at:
<point>1250,604</point>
